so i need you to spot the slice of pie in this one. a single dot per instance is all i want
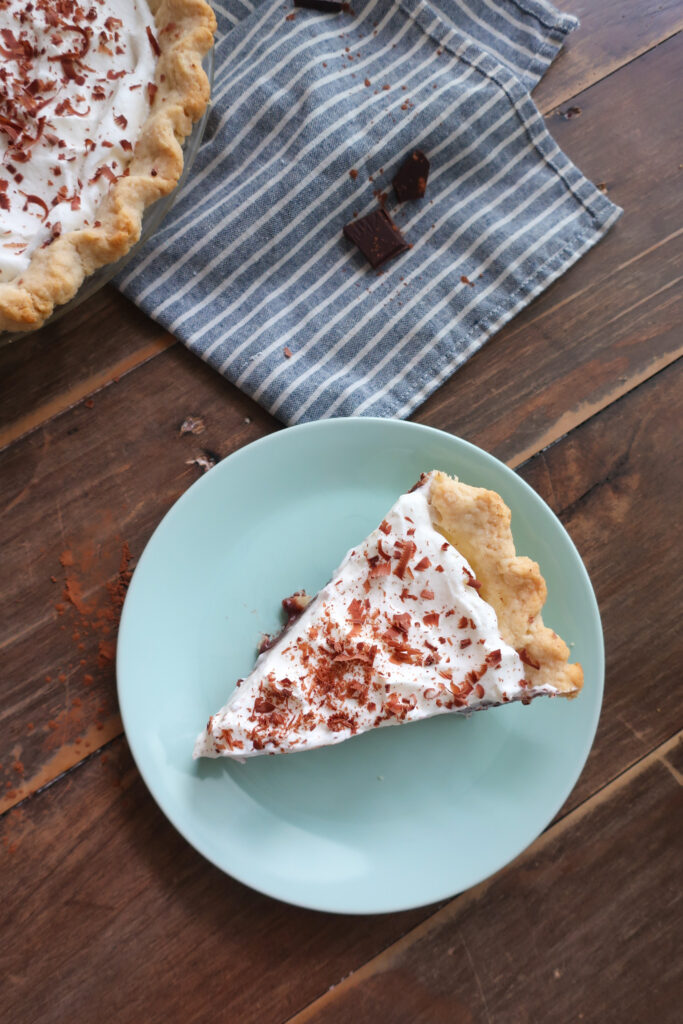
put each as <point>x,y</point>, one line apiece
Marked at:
<point>96,97</point>
<point>433,613</point>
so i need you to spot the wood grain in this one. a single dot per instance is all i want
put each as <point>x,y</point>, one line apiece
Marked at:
<point>114,917</point>
<point>611,34</point>
<point>39,724</point>
<point>615,318</point>
<point>582,927</point>
<point>45,373</point>
<point>613,483</point>
<point>622,295</point>
<point>76,494</point>
<point>105,912</point>
<point>48,371</point>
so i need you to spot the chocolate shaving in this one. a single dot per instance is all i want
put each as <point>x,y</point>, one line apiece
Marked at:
<point>406,554</point>
<point>156,49</point>
<point>37,201</point>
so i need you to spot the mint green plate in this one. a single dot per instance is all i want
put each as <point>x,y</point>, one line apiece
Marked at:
<point>386,821</point>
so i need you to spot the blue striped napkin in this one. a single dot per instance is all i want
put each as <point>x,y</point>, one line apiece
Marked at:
<point>251,270</point>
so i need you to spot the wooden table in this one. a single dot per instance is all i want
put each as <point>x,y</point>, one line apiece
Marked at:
<point>107,914</point>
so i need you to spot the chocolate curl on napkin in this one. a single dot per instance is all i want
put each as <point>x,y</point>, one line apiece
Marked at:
<point>312,115</point>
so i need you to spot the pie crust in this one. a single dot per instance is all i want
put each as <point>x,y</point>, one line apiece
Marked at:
<point>184,31</point>
<point>477,523</point>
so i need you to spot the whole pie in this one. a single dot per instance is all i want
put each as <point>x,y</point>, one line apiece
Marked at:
<point>96,98</point>
<point>433,613</point>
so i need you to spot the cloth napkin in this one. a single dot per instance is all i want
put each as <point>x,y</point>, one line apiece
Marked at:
<point>312,115</point>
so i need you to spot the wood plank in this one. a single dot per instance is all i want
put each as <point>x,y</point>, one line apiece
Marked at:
<point>46,372</point>
<point>583,926</point>
<point>110,472</point>
<point>605,481</point>
<point>624,468</point>
<point>611,34</point>
<point>113,916</point>
<point>615,318</point>
<point>94,863</point>
<point>78,495</point>
<point>672,758</point>
<point>637,266</point>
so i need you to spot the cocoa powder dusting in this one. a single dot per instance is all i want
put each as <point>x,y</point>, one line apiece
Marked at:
<point>96,579</point>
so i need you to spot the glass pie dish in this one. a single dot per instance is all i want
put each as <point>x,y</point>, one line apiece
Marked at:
<point>151,221</point>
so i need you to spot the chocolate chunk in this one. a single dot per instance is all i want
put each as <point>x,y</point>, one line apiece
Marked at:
<point>377,237</point>
<point>411,178</point>
<point>327,6</point>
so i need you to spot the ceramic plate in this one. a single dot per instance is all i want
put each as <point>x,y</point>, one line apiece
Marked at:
<point>389,820</point>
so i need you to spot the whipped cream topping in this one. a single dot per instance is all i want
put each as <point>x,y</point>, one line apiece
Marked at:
<point>399,634</point>
<point>76,81</point>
